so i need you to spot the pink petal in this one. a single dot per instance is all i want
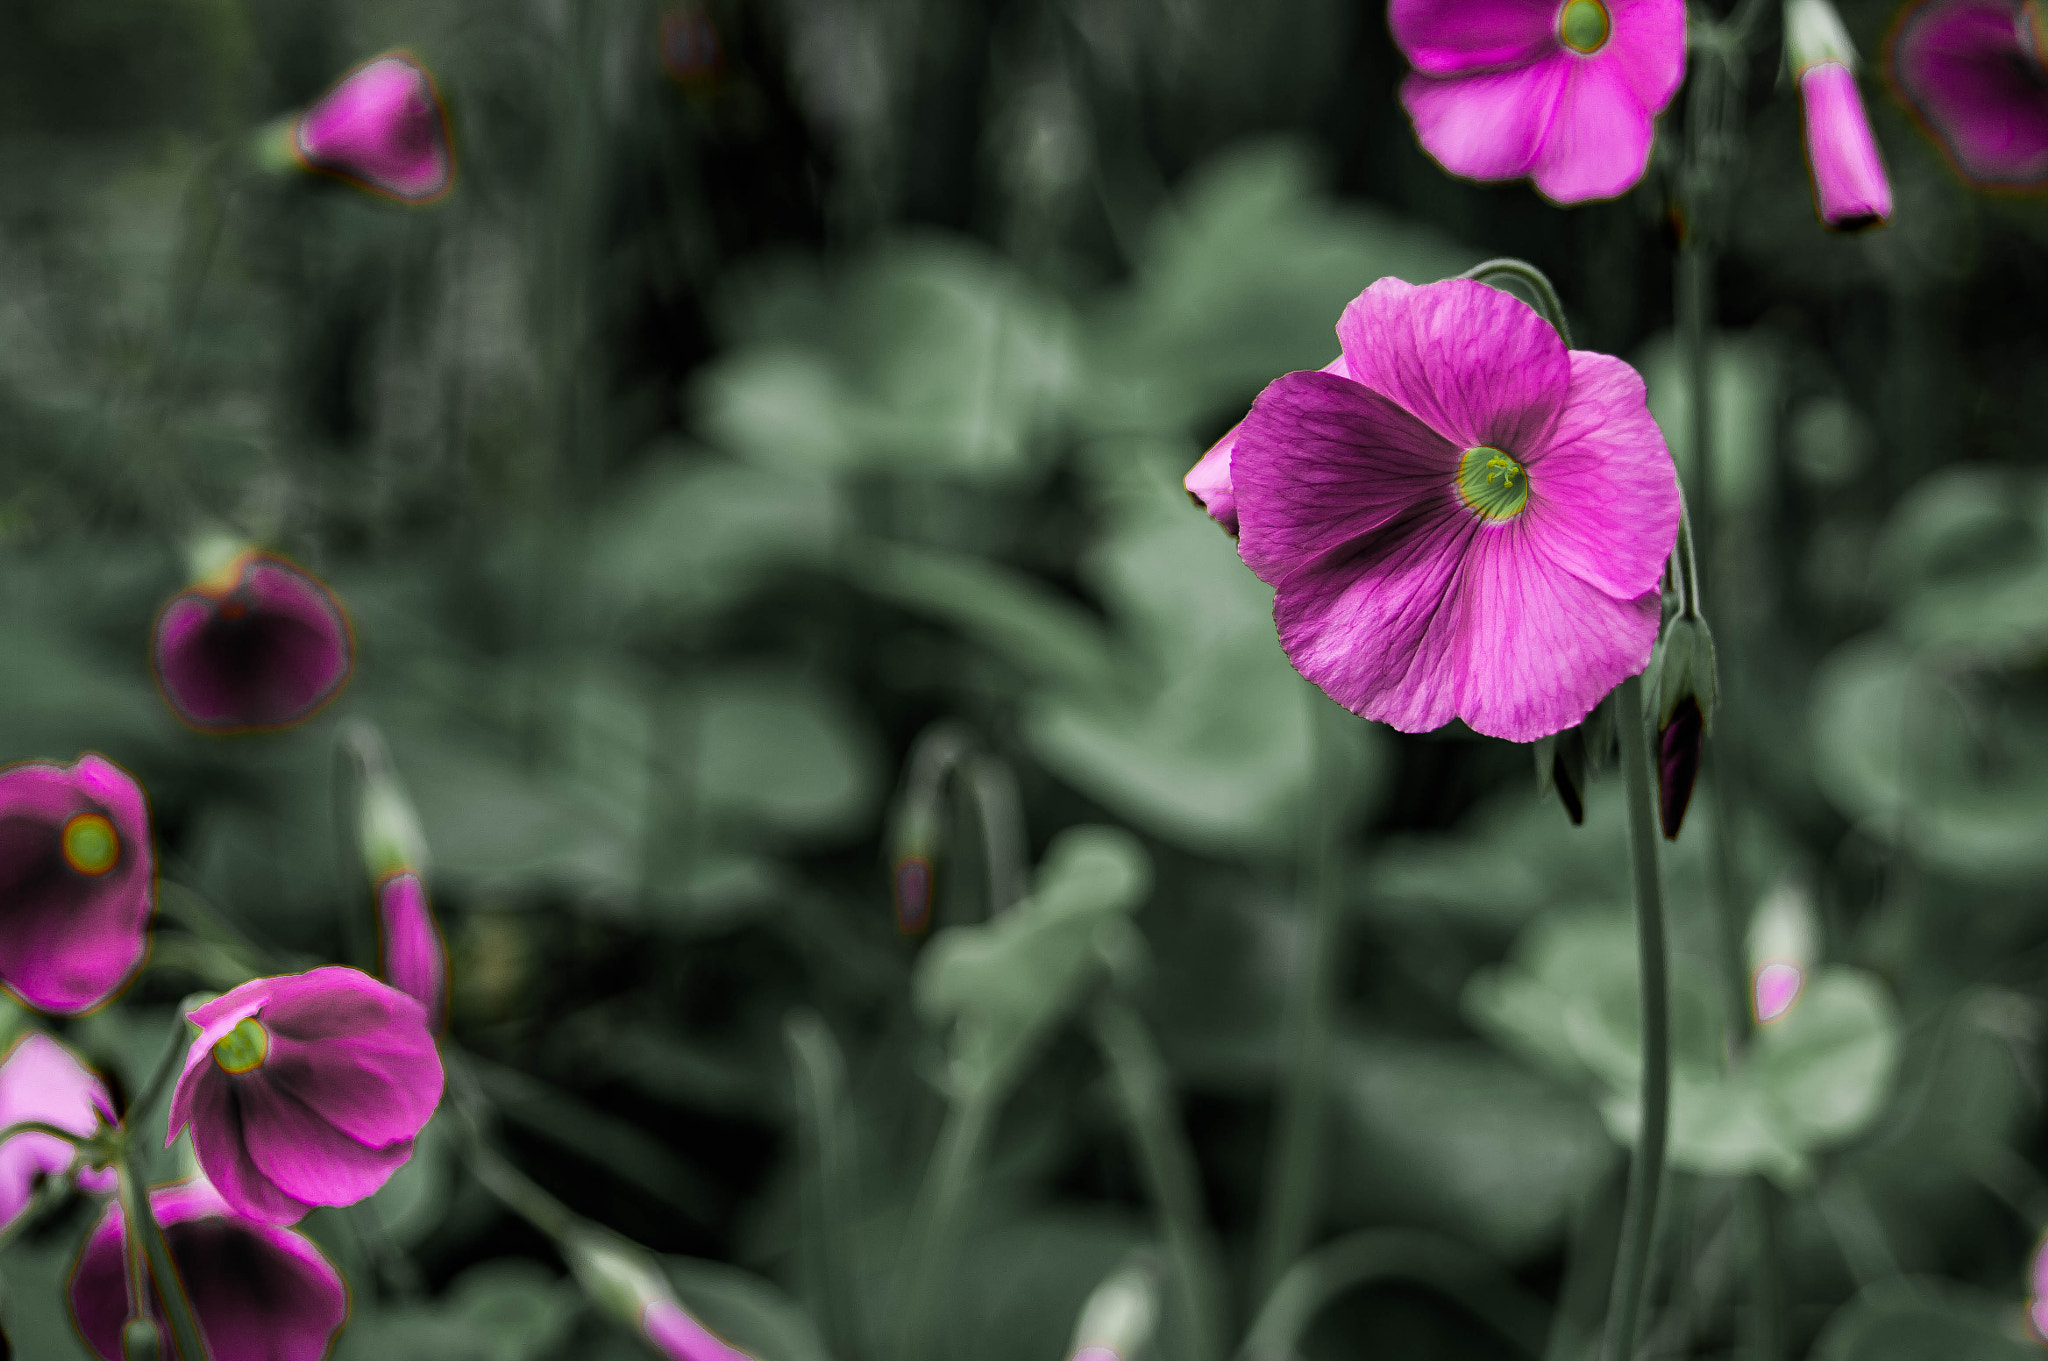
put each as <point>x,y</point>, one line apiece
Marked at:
<point>214,1019</point>
<point>1477,365</point>
<point>1490,125</point>
<point>1209,480</point>
<point>376,1095</point>
<point>337,1002</point>
<point>303,1155</point>
<point>1446,37</point>
<point>1603,494</point>
<point>41,1080</point>
<point>414,959</point>
<point>681,1338</point>
<point>381,124</point>
<point>1598,142</point>
<point>218,1143</point>
<point>1960,65</point>
<point>1646,49</point>
<point>1777,987</point>
<point>1325,461</point>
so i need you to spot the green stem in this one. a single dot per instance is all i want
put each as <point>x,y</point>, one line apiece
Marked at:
<point>1756,1218</point>
<point>167,1068</point>
<point>186,1339</point>
<point>822,1122</point>
<point>1170,1171</point>
<point>42,1127</point>
<point>1535,280</point>
<point>936,1222</point>
<point>1646,1168</point>
<point>1295,1163</point>
<point>1376,1255</point>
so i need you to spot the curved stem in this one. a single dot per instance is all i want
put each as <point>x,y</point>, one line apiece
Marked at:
<point>1646,1168</point>
<point>1170,1171</point>
<point>71,1137</point>
<point>820,1071</point>
<point>140,1221</point>
<point>1376,1255</point>
<point>935,1222</point>
<point>1547,303</point>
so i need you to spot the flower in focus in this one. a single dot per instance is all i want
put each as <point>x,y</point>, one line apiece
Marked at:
<point>414,960</point>
<point>41,1080</point>
<point>77,881</point>
<point>1976,73</point>
<point>260,1292</point>
<point>1471,525</point>
<point>382,127</point>
<point>1208,482</point>
<point>259,645</point>
<point>1850,189</point>
<point>1566,95</point>
<point>305,1090</point>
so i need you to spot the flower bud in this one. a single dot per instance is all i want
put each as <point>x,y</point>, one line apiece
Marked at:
<point>1684,687</point>
<point>623,1279</point>
<point>1850,189</point>
<point>1561,770</point>
<point>386,823</point>
<point>1117,1321</point>
<point>255,643</point>
<point>914,824</point>
<point>1784,944</point>
<point>140,1341</point>
<point>381,127</point>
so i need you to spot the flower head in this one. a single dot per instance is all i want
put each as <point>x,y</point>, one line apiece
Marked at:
<point>1471,525</point>
<point>382,127</point>
<point>414,959</point>
<point>77,881</point>
<point>305,1090</point>
<point>260,1292</point>
<point>259,645</point>
<point>41,1080</point>
<point>1564,94</point>
<point>1974,71</point>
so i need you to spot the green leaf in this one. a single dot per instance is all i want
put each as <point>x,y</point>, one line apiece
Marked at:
<point>1965,556</point>
<point>1744,372</point>
<point>780,751</point>
<point>1913,1320</point>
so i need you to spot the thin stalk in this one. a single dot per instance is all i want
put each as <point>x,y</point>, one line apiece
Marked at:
<point>1376,1255</point>
<point>1646,1167</point>
<point>1295,1163</point>
<point>166,1069</point>
<point>936,1222</point>
<point>1170,1171</point>
<point>186,1339</point>
<point>1535,280</point>
<point>820,1072</point>
<point>1756,1210</point>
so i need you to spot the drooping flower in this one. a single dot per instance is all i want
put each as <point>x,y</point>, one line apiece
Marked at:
<point>306,1089</point>
<point>382,127</point>
<point>260,1292</point>
<point>41,1080</point>
<point>414,959</point>
<point>1976,72</point>
<point>77,881</point>
<point>1850,190</point>
<point>259,645</point>
<point>1471,525</point>
<point>1564,94</point>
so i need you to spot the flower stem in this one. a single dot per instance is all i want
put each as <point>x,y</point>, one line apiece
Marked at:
<point>935,1222</point>
<point>1537,282</point>
<point>1374,1255</point>
<point>1296,1160</point>
<point>821,1115</point>
<point>1646,1168</point>
<point>1169,1167</point>
<point>140,1220</point>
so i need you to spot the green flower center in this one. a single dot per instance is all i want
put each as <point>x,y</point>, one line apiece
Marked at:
<point>91,845</point>
<point>1583,25</point>
<point>1494,485</point>
<point>244,1047</point>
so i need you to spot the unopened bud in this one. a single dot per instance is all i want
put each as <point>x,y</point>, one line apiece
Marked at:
<point>623,1279</point>
<point>1561,770</point>
<point>1116,1323</point>
<point>140,1340</point>
<point>1683,684</point>
<point>410,953</point>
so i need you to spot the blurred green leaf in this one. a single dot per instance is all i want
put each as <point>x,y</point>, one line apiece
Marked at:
<point>1965,555</point>
<point>752,1314</point>
<point>781,751</point>
<point>1744,412</point>
<point>1912,1320</point>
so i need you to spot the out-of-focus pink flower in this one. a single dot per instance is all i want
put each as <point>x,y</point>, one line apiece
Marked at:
<point>262,645</point>
<point>382,127</point>
<point>1850,189</point>
<point>260,1292</point>
<point>305,1090</point>
<point>1973,70</point>
<point>414,959</point>
<point>681,1338</point>
<point>2037,1280</point>
<point>77,881</point>
<point>40,1080</point>
<point>1777,987</point>
<point>1566,95</point>
<point>1472,525</point>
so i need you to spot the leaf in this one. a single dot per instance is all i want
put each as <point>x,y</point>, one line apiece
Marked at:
<point>780,751</point>
<point>1912,1320</point>
<point>1965,556</point>
<point>752,1314</point>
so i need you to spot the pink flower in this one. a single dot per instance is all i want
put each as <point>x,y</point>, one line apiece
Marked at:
<point>1472,525</point>
<point>260,1292</point>
<point>1973,71</point>
<point>1564,94</point>
<point>1208,482</point>
<point>77,881</point>
<point>414,959</point>
<point>263,645</point>
<point>382,127</point>
<point>42,1081</point>
<point>1849,185</point>
<point>681,1338</point>
<point>1776,988</point>
<point>306,1090</point>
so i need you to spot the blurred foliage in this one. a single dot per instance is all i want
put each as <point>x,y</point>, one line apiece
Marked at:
<point>720,433</point>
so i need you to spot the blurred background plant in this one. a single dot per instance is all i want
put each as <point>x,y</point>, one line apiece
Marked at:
<point>777,381</point>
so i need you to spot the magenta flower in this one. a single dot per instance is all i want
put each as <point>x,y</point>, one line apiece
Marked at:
<point>1850,188</point>
<point>77,881</point>
<point>306,1090</point>
<point>260,1292</point>
<point>382,127</point>
<point>1472,525</point>
<point>1564,94</point>
<point>262,645</point>
<point>414,959</point>
<point>1973,71</point>
<point>40,1080</point>
<point>681,1338</point>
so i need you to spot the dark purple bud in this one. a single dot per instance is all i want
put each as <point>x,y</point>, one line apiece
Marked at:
<point>913,894</point>
<point>1561,769</point>
<point>1678,763</point>
<point>260,645</point>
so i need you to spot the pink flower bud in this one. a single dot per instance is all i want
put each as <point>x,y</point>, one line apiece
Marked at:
<point>1777,988</point>
<point>410,950</point>
<point>381,126</point>
<point>77,881</point>
<point>681,1338</point>
<point>1849,184</point>
<point>42,1081</point>
<point>260,645</point>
